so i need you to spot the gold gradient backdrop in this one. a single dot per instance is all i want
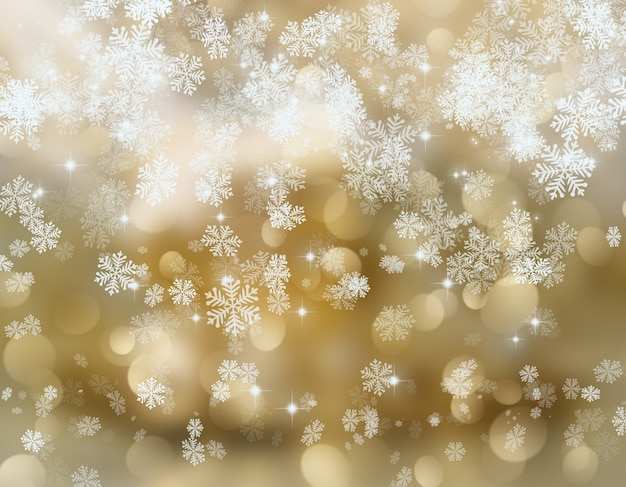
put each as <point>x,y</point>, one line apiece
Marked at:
<point>88,349</point>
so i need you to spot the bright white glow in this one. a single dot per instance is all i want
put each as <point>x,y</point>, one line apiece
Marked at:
<point>425,136</point>
<point>255,390</point>
<point>302,311</point>
<point>220,217</point>
<point>310,256</point>
<point>124,218</point>
<point>394,380</point>
<point>70,165</point>
<point>447,283</point>
<point>292,408</point>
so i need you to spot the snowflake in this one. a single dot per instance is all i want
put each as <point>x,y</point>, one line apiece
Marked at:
<point>86,477</point>
<point>593,21</point>
<point>147,11</point>
<point>392,264</point>
<point>606,445</point>
<point>571,388</point>
<point>377,377</point>
<point>382,24</point>
<point>19,282</point>
<point>529,373</point>
<point>408,225</point>
<point>585,114</point>
<point>185,73</point>
<point>619,421</point>
<point>216,449</point>
<point>459,383</point>
<point>613,236</point>
<point>455,451</point>
<point>208,26</point>
<point>221,240</point>
<point>151,393</point>
<point>19,248</point>
<point>394,323</point>
<point>182,291</point>
<point>229,370</point>
<point>115,272</point>
<point>193,451</point>
<point>32,441</point>
<point>472,339</point>
<point>542,322</point>
<point>476,265</point>
<point>307,402</point>
<point>314,32</point>
<point>535,412</point>
<point>88,425</point>
<point>344,294</point>
<point>139,435</point>
<point>573,435</point>
<point>154,295</point>
<point>64,251</point>
<point>608,371</point>
<point>21,110</point>
<point>312,432</point>
<point>564,170</point>
<point>232,308</point>
<point>116,402</point>
<point>248,372</point>
<point>194,428</point>
<point>403,478</point>
<point>7,392</point>
<point>157,180</point>
<point>590,393</point>
<point>515,438</point>
<point>277,438</point>
<point>478,185</point>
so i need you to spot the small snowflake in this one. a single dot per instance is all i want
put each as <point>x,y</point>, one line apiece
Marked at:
<point>455,451</point>
<point>613,236</point>
<point>377,377</point>
<point>590,393</point>
<point>151,393</point>
<point>312,432</point>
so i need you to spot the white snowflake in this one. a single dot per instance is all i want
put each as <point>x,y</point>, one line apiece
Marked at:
<point>232,307</point>
<point>613,236</point>
<point>185,73</point>
<point>590,393</point>
<point>115,272</point>
<point>394,323</point>
<point>84,476</point>
<point>157,180</point>
<point>377,377</point>
<point>221,240</point>
<point>515,438</point>
<point>619,421</point>
<point>455,451</point>
<point>312,432</point>
<point>151,393</point>
<point>608,371</point>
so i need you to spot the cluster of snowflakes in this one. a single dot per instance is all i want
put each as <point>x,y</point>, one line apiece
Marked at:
<point>495,86</point>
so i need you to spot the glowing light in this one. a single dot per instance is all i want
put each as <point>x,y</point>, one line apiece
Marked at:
<point>38,192</point>
<point>220,217</point>
<point>425,68</point>
<point>310,256</point>
<point>302,312</point>
<point>425,135</point>
<point>134,285</point>
<point>124,218</point>
<point>292,408</point>
<point>255,390</point>
<point>447,283</point>
<point>394,380</point>
<point>70,165</point>
<point>420,255</point>
<point>382,88</point>
<point>195,318</point>
<point>534,322</point>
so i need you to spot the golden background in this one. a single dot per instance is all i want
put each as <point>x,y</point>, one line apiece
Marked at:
<point>323,351</point>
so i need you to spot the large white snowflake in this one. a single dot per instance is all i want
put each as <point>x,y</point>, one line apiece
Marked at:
<point>377,377</point>
<point>232,307</point>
